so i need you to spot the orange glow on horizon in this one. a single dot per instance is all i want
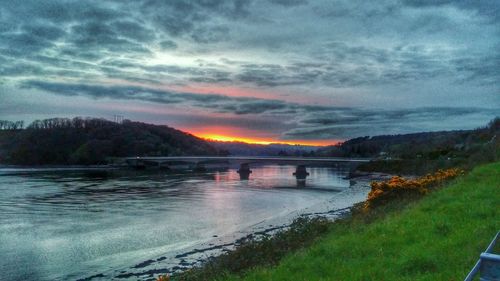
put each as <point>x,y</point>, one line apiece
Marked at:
<point>228,133</point>
<point>217,137</point>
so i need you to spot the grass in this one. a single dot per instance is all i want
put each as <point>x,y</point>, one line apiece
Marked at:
<point>261,250</point>
<point>436,238</point>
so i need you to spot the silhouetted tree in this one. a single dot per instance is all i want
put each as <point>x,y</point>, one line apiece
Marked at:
<point>91,141</point>
<point>10,125</point>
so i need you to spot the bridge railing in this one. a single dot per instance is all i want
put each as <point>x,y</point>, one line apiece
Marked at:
<point>488,265</point>
<point>249,158</point>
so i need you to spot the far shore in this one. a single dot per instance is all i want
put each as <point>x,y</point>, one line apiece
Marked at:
<point>58,167</point>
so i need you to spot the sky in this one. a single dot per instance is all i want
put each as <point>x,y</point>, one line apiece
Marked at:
<point>294,71</point>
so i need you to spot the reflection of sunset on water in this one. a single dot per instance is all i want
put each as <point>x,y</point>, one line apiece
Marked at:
<point>180,210</point>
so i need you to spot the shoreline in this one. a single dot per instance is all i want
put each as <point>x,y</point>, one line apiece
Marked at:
<point>58,167</point>
<point>332,208</point>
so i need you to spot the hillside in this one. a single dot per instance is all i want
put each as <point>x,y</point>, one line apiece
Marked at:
<point>91,141</point>
<point>437,238</point>
<point>421,153</point>
<point>274,149</point>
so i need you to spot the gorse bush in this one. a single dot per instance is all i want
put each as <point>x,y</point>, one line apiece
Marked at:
<point>398,187</point>
<point>163,278</point>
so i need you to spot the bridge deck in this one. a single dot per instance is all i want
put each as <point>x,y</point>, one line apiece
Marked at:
<point>247,158</point>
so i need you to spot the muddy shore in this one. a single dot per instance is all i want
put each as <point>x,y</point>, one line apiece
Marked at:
<point>332,208</point>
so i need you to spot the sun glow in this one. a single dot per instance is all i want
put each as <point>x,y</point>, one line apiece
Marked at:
<point>231,139</point>
<point>216,137</point>
<point>229,133</point>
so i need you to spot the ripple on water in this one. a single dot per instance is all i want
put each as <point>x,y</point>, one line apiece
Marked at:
<point>62,224</point>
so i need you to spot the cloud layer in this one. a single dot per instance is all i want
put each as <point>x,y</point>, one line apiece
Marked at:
<point>327,69</point>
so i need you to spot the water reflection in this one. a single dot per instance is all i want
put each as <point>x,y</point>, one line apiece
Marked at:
<point>70,224</point>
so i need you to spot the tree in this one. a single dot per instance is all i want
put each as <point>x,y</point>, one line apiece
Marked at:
<point>9,125</point>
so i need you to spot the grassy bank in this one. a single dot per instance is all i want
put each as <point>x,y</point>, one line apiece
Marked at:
<point>436,238</point>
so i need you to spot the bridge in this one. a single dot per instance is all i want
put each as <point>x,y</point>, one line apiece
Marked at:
<point>198,163</point>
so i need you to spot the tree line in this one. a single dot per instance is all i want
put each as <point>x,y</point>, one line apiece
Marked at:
<point>56,123</point>
<point>93,141</point>
<point>420,153</point>
<point>11,125</point>
<point>66,123</point>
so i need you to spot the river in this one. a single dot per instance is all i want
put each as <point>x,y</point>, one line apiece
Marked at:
<point>70,225</point>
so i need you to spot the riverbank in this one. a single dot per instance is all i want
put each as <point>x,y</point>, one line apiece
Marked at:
<point>336,203</point>
<point>436,238</point>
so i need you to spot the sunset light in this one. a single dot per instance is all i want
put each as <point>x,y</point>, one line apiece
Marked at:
<point>215,137</point>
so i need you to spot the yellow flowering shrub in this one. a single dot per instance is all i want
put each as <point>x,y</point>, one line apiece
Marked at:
<point>163,278</point>
<point>398,186</point>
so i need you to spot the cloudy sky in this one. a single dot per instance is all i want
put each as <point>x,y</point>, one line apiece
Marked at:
<point>306,71</point>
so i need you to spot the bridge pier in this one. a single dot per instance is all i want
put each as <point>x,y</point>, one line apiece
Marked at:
<point>244,171</point>
<point>137,164</point>
<point>301,172</point>
<point>199,168</point>
<point>163,166</point>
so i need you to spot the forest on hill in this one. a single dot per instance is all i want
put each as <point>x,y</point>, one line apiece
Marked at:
<point>272,149</point>
<point>420,153</point>
<point>85,141</point>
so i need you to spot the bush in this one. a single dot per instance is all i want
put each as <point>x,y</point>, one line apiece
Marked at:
<point>398,187</point>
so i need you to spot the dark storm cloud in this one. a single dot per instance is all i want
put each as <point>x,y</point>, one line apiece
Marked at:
<point>217,103</point>
<point>22,44</point>
<point>213,102</point>
<point>349,123</point>
<point>388,53</point>
<point>20,69</point>
<point>210,34</point>
<point>123,30</point>
<point>168,45</point>
<point>485,69</point>
<point>360,10</point>
<point>195,74</point>
<point>133,30</point>
<point>47,32</point>
<point>484,5</point>
<point>101,36</point>
<point>193,18</point>
<point>80,30</point>
<point>259,106</point>
<point>118,92</point>
<point>123,26</point>
<point>359,65</point>
<point>58,12</point>
<point>343,65</point>
<point>289,3</point>
<point>271,75</point>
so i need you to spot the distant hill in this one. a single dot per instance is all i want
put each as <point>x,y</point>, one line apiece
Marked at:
<point>420,153</point>
<point>430,144</point>
<point>91,141</point>
<point>372,146</point>
<point>274,149</point>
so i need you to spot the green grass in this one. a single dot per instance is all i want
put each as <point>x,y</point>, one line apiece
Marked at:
<point>436,238</point>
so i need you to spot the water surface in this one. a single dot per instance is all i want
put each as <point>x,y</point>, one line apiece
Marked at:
<point>67,225</point>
